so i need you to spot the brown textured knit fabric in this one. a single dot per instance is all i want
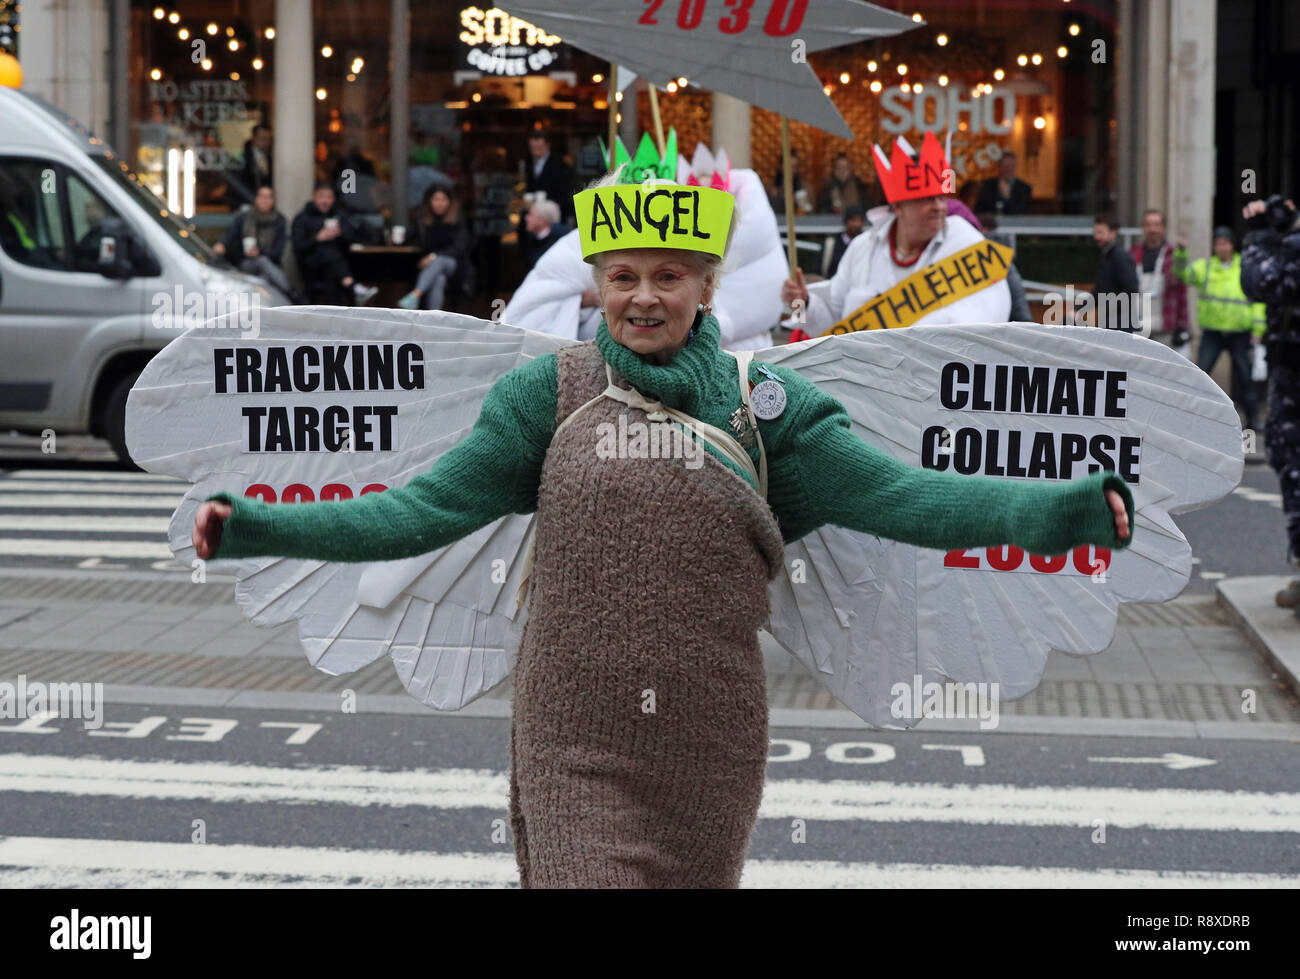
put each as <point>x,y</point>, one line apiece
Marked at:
<point>669,566</point>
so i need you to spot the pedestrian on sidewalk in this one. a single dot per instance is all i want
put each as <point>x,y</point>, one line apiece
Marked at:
<point>1230,323</point>
<point>1164,295</point>
<point>1270,273</point>
<point>650,580</point>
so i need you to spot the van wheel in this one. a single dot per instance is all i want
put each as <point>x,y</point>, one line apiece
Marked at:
<point>115,418</point>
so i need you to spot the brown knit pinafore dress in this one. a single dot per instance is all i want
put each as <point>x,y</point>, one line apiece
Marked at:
<point>649,587</point>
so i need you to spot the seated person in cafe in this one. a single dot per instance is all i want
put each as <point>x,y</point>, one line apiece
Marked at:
<point>543,223</point>
<point>264,230</point>
<point>322,234</point>
<point>442,235</point>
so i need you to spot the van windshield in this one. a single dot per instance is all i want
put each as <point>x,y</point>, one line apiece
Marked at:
<point>177,229</point>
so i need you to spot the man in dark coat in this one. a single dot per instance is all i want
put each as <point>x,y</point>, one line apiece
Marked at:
<point>322,234</point>
<point>1270,274</point>
<point>1116,289</point>
<point>855,219</point>
<point>548,173</point>
<point>1005,194</point>
<point>256,169</point>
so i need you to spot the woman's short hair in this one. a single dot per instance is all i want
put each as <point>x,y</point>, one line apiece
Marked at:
<point>711,266</point>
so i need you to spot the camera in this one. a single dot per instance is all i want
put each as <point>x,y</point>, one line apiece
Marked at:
<point>1281,216</point>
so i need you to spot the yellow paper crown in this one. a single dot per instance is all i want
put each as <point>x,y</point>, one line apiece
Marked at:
<point>653,216</point>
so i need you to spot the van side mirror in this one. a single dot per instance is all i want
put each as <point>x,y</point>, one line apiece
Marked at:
<point>116,245</point>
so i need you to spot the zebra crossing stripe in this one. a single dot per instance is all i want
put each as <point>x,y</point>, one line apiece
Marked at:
<point>84,501</point>
<point>837,799</point>
<point>86,523</point>
<point>91,474</point>
<point>33,861</point>
<point>47,547</point>
<point>108,490</point>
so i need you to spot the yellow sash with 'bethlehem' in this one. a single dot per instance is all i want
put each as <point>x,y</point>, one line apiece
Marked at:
<point>933,287</point>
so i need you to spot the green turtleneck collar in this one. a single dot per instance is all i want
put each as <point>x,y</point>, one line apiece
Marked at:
<point>680,383</point>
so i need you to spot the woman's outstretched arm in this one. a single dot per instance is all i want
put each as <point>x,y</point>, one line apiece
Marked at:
<point>824,474</point>
<point>492,472</point>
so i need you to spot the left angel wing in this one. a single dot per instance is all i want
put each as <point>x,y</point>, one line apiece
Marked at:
<point>865,615</point>
<point>263,411</point>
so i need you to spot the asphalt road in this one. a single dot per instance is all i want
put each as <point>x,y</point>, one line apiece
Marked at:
<point>367,799</point>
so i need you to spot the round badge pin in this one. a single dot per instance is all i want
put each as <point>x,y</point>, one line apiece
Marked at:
<point>767,400</point>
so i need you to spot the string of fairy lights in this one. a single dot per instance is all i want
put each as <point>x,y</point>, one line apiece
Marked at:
<point>235,42</point>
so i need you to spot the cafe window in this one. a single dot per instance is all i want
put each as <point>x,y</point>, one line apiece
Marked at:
<point>201,78</point>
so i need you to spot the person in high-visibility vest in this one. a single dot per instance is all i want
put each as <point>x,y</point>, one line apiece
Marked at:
<point>1229,320</point>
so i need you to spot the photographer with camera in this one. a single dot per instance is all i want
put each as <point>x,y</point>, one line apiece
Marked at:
<point>1270,273</point>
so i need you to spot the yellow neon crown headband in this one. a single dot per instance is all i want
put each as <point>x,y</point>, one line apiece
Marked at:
<point>653,216</point>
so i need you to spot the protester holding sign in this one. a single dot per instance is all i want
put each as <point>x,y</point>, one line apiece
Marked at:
<point>920,267</point>
<point>639,737</point>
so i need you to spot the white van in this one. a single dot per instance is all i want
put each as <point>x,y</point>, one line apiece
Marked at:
<point>92,265</point>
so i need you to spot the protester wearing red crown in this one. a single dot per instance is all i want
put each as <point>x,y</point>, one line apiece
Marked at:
<point>920,267</point>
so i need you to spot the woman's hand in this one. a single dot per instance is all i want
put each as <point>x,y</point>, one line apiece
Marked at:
<point>207,527</point>
<point>590,298</point>
<point>427,259</point>
<point>792,289</point>
<point>1116,504</point>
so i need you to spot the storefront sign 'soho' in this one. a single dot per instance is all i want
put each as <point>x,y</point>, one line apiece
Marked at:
<point>510,46</point>
<point>902,111</point>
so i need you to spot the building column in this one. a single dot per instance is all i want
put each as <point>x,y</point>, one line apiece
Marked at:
<point>1190,134</point>
<point>294,120</point>
<point>64,54</point>
<point>731,128</point>
<point>399,74</point>
<point>1165,115</point>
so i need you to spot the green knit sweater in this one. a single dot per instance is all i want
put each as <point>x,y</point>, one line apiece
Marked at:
<point>819,473</point>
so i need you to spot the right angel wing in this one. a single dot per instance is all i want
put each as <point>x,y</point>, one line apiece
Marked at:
<point>447,618</point>
<point>865,615</point>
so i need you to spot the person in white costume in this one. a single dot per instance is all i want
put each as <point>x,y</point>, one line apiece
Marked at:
<point>919,233</point>
<point>746,303</point>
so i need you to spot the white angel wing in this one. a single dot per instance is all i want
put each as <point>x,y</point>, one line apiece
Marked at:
<point>864,615</point>
<point>448,618</point>
<point>549,300</point>
<point>748,300</point>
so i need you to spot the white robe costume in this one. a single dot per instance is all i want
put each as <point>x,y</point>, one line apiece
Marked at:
<point>867,269</point>
<point>747,302</point>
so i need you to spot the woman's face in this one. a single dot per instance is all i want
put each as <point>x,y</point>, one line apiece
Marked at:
<point>650,297</point>
<point>439,203</point>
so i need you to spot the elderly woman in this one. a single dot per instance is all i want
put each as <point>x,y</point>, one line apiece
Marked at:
<point>639,732</point>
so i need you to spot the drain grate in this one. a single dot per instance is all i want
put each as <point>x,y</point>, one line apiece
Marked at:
<point>1199,612</point>
<point>1153,701</point>
<point>173,590</point>
<point>200,672</point>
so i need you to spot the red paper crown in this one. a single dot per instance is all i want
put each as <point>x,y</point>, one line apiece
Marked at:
<point>909,176</point>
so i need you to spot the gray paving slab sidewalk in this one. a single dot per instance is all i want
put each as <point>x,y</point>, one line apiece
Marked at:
<point>1179,668</point>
